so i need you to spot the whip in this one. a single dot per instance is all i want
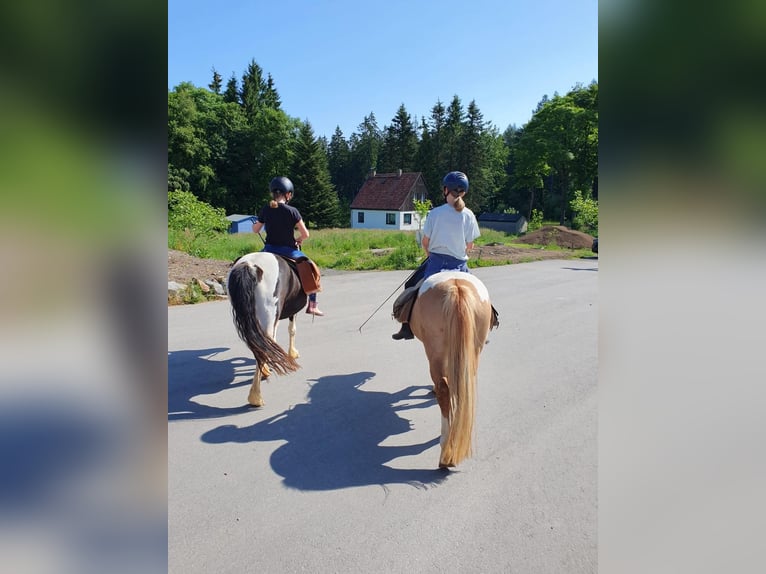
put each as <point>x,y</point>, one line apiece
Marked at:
<point>411,275</point>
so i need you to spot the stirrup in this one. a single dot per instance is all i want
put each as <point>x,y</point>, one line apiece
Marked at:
<point>404,333</point>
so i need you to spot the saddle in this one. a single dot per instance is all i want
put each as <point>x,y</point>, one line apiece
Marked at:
<point>308,273</point>
<point>403,306</point>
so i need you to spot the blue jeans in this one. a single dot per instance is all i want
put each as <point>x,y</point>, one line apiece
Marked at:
<point>290,252</point>
<point>433,264</point>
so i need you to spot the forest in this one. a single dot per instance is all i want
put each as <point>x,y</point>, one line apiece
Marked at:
<point>226,142</point>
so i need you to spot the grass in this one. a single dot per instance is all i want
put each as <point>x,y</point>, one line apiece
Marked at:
<point>346,249</point>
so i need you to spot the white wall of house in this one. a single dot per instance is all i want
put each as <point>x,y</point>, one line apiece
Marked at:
<point>375,219</point>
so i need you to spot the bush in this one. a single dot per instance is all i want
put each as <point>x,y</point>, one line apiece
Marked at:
<point>585,212</point>
<point>186,212</point>
<point>537,220</point>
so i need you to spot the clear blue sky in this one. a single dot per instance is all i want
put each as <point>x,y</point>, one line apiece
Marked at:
<point>335,61</point>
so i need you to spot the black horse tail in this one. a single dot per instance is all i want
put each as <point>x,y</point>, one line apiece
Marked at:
<point>242,284</point>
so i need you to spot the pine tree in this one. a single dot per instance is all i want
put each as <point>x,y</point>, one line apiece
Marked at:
<point>252,90</point>
<point>315,197</point>
<point>231,94</point>
<point>215,85</point>
<point>400,144</point>
<point>365,150</point>
<point>339,162</point>
<point>453,127</point>
<point>270,95</point>
<point>431,155</point>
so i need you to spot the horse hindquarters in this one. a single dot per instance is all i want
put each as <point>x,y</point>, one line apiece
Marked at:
<point>249,299</point>
<point>447,317</point>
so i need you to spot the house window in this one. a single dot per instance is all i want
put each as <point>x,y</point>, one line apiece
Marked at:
<point>407,218</point>
<point>360,217</point>
<point>390,219</point>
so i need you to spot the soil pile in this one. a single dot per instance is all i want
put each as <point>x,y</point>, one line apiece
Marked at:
<point>558,235</point>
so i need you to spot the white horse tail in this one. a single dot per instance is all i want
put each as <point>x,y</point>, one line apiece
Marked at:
<point>243,292</point>
<point>461,369</point>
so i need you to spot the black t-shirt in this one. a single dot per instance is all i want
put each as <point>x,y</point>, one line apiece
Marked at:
<point>280,224</point>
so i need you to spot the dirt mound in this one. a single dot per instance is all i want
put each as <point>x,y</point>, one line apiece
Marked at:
<point>183,267</point>
<point>558,235</point>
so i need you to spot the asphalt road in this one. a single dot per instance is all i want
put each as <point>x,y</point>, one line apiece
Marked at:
<point>338,471</point>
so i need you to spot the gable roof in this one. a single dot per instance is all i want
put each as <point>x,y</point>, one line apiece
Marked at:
<point>391,191</point>
<point>236,217</point>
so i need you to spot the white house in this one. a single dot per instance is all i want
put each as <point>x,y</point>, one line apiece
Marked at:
<point>385,201</point>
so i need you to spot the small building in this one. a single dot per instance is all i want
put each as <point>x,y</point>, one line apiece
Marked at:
<point>241,223</point>
<point>512,223</point>
<point>385,201</point>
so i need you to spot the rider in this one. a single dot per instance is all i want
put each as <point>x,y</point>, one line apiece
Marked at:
<point>448,234</point>
<point>281,220</point>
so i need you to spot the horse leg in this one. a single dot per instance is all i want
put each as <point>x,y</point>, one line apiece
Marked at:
<point>291,350</point>
<point>441,390</point>
<point>254,397</point>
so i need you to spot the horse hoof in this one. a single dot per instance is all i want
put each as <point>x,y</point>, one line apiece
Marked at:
<point>443,466</point>
<point>255,401</point>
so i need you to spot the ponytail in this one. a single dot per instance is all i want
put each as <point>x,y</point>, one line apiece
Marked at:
<point>459,204</point>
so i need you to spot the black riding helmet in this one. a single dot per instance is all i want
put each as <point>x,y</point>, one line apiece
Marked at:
<point>456,181</point>
<point>281,185</point>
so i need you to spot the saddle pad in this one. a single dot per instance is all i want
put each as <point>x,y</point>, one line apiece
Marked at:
<point>309,275</point>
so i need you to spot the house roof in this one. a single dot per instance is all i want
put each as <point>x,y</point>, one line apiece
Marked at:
<point>503,217</point>
<point>236,217</point>
<point>390,191</point>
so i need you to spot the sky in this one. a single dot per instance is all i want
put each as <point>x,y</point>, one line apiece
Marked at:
<point>334,62</point>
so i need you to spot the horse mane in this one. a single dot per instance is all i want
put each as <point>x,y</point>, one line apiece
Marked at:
<point>462,363</point>
<point>242,283</point>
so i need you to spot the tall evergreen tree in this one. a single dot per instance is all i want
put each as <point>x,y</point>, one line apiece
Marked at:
<point>400,144</point>
<point>215,85</point>
<point>231,94</point>
<point>252,89</point>
<point>432,155</point>
<point>453,127</point>
<point>365,150</point>
<point>339,161</point>
<point>270,94</point>
<point>315,197</point>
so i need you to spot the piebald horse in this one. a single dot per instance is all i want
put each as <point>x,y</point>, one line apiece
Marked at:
<point>452,316</point>
<point>264,288</point>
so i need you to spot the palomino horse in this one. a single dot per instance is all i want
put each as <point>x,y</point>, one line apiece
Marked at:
<point>264,288</point>
<point>452,316</point>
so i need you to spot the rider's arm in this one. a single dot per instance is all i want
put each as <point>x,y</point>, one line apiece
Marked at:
<point>424,242</point>
<point>302,231</point>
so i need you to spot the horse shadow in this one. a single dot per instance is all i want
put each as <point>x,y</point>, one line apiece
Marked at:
<point>334,439</point>
<point>195,372</point>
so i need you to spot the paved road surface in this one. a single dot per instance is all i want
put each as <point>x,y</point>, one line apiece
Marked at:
<point>338,472</point>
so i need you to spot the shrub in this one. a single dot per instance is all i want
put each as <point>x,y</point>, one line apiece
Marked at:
<point>186,212</point>
<point>537,220</point>
<point>585,212</point>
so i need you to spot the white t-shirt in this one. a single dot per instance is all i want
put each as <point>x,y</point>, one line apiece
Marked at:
<point>449,231</point>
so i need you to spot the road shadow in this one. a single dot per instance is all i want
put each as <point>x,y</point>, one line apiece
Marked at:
<point>198,372</point>
<point>334,439</point>
<point>581,268</point>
